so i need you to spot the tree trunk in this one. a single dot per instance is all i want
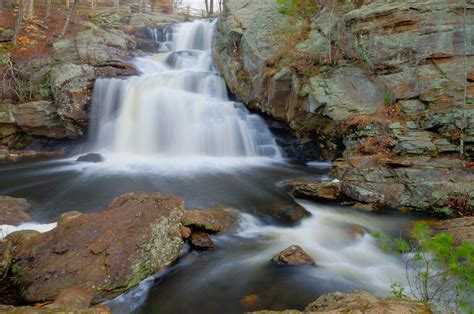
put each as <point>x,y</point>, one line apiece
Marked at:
<point>207,6</point>
<point>19,20</point>
<point>211,7</point>
<point>68,19</point>
<point>48,8</point>
<point>463,105</point>
<point>31,8</point>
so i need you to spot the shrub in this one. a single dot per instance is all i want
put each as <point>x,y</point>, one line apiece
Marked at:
<point>298,8</point>
<point>438,270</point>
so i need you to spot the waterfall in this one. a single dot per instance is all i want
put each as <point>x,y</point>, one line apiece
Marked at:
<point>178,107</point>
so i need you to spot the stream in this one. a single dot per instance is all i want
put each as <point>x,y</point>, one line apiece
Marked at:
<point>173,129</point>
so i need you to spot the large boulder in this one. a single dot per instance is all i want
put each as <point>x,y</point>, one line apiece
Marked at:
<point>39,118</point>
<point>420,183</point>
<point>342,67</point>
<point>357,302</point>
<point>293,256</point>
<point>12,210</point>
<point>364,302</point>
<point>71,86</point>
<point>220,218</point>
<point>104,254</point>
<point>314,189</point>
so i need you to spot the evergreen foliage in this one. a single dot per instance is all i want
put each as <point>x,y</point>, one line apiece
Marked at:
<point>438,270</point>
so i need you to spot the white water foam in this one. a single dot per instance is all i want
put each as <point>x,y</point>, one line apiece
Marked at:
<point>332,237</point>
<point>178,108</point>
<point>5,230</point>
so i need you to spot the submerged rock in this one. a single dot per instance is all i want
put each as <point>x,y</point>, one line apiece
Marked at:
<point>293,256</point>
<point>105,253</point>
<point>201,240</point>
<point>285,211</point>
<point>314,189</point>
<point>12,211</point>
<point>220,218</point>
<point>92,157</point>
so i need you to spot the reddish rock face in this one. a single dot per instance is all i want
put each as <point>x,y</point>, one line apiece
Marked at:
<point>105,253</point>
<point>216,219</point>
<point>201,240</point>
<point>293,255</point>
<point>12,210</point>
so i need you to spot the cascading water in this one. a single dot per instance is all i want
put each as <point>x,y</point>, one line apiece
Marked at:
<point>179,107</point>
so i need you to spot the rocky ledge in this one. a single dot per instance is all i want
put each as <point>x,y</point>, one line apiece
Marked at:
<point>102,254</point>
<point>137,235</point>
<point>50,102</point>
<point>380,84</point>
<point>435,185</point>
<point>357,302</point>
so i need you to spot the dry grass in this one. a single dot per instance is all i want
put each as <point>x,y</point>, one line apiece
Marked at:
<point>460,204</point>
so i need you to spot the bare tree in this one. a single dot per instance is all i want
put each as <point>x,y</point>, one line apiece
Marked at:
<point>68,19</point>
<point>48,8</point>
<point>463,107</point>
<point>19,20</point>
<point>31,8</point>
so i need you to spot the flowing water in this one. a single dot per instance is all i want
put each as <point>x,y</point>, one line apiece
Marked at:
<point>173,129</point>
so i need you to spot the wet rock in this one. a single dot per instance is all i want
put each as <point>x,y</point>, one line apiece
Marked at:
<point>365,207</point>
<point>137,235</point>
<point>363,302</point>
<point>293,256</point>
<point>216,219</point>
<point>19,238</point>
<point>284,211</point>
<point>201,240</point>
<point>93,157</point>
<point>17,155</point>
<point>357,302</point>
<point>68,216</point>
<point>72,298</point>
<point>461,228</point>
<point>6,257</point>
<point>250,300</point>
<point>185,232</point>
<point>314,189</point>
<point>420,183</point>
<point>12,211</point>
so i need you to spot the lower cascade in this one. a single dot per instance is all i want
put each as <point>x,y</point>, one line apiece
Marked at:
<point>178,107</point>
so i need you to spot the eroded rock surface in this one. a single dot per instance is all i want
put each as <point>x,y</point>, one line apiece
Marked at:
<point>358,302</point>
<point>12,210</point>
<point>104,254</point>
<point>293,256</point>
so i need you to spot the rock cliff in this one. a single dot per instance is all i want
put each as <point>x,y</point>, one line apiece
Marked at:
<point>389,82</point>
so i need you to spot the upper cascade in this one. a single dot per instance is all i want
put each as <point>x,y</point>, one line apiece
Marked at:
<point>178,107</point>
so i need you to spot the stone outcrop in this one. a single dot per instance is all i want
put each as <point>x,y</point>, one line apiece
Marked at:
<point>57,87</point>
<point>379,78</point>
<point>358,302</point>
<point>137,235</point>
<point>420,183</point>
<point>220,218</point>
<point>293,256</point>
<point>71,300</point>
<point>13,210</point>
<point>462,229</point>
